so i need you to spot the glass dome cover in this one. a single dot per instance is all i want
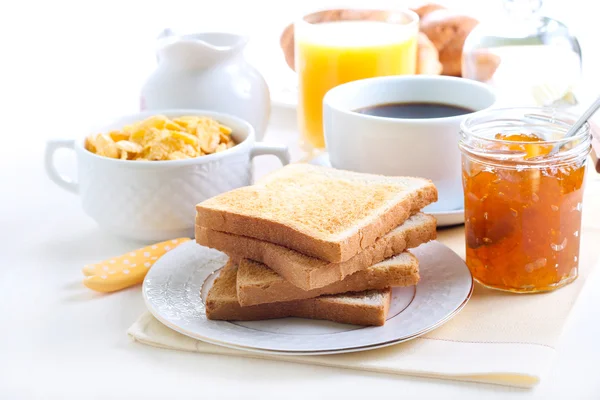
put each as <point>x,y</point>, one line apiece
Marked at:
<point>531,60</point>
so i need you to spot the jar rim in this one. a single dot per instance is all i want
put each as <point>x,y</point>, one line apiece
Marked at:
<point>538,116</point>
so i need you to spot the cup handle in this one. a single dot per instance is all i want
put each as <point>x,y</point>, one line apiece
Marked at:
<point>281,152</point>
<point>62,181</point>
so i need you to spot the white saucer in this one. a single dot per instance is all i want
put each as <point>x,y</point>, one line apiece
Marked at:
<point>176,285</point>
<point>448,218</point>
<point>444,218</point>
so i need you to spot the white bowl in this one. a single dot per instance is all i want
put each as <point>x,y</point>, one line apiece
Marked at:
<point>155,200</point>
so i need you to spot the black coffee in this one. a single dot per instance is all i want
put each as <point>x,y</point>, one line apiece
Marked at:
<point>414,110</point>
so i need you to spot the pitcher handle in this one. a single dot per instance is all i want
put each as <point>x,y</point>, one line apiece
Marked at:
<point>281,152</point>
<point>63,181</point>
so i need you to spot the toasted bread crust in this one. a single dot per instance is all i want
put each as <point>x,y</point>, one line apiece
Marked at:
<point>252,292</point>
<point>310,308</point>
<point>309,273</point>
<point>335,247</point>
<point>229,222</point>
<point>222,305</point>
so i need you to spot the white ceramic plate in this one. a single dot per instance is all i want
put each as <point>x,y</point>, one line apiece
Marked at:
<point>444,218</point>
<point>176,285</point>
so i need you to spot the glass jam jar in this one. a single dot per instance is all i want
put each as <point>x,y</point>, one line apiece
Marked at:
<point>523,184</point>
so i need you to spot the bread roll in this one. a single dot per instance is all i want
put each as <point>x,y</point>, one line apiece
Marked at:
<point>286,41</point>
<point>426,9</point>
<point>480,65</point>
<point>448,30</point>
<point>428,62</point>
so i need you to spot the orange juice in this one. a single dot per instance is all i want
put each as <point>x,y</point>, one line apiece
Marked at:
<point>329,54</point>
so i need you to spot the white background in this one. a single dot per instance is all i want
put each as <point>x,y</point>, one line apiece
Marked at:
<point>65,65</point>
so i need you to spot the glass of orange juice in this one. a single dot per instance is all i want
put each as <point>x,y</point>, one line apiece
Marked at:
<point>345,46</point>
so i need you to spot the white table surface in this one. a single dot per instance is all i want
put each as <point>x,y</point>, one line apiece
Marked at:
<point>61,340</point>
<point>64,65</point>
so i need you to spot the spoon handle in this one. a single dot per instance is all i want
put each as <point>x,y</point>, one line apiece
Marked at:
<point>584,118</point>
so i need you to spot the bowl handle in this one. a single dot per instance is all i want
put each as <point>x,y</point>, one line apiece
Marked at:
<point>62,181</point>
<point>281,152</point>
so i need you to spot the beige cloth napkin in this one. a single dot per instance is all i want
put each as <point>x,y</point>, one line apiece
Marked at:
<point>498,337</point>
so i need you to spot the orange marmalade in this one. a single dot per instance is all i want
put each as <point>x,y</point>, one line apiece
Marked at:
<point>523,184</point>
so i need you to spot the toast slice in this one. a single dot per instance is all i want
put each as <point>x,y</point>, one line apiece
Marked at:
<point>322,212</point>
<point>308,273</point>
<point>364,308</point>
<point>258,284</point>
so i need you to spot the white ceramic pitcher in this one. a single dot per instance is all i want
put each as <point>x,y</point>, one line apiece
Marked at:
<point>207,71</point>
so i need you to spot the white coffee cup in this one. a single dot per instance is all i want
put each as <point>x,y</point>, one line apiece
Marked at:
<point>425,147</point>
<point>155,200</point>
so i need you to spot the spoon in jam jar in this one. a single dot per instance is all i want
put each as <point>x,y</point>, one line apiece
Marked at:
<point>591,110</point>
<point>583,119</point>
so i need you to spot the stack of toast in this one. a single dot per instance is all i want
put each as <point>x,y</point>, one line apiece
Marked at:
<point>315,242</point>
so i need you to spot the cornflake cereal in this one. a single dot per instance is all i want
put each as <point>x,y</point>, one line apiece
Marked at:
<point>160,138</point>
